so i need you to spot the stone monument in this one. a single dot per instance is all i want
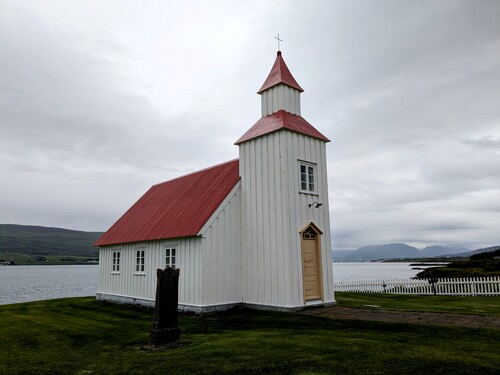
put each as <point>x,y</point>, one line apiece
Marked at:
<point>165,331</point>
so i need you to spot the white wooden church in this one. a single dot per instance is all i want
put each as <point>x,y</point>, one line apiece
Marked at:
<point>254,231</point>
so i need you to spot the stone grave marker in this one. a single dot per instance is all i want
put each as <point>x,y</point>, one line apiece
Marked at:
<point>165,331</point>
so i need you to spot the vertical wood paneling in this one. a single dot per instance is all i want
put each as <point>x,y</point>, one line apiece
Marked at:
<point>293,107</point>
<point>287,99</point>
<point>269,102</point>
<point>259,217</point>
<point>275,212</point>
<point>274,93</point>
<point>280,97</point>
<point>286,287</point>
<point>245,167</point>
<point>221,255</point>
<point>263,103</point>
<point>268,213</point>
<point>130,284</point>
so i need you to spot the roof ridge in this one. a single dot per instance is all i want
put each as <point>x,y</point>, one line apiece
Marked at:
<point>198,171</point>
<point>176,208</point>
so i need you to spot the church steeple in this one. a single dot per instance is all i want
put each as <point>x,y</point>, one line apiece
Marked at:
<point>280,74</point>
<point>280,101</point>
<point>280,90</point>
<point>285,225</point>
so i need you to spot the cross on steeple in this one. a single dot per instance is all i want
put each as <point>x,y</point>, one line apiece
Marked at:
<point>279,40</point>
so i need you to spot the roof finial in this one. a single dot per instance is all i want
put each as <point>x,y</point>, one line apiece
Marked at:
<point>279,40</point>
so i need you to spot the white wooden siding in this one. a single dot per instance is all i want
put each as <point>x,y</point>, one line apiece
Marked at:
<point>273,213</point>
<point>220,256</point>
<point>209,264</point>
<point>128,283</point>
<point>280,97</point>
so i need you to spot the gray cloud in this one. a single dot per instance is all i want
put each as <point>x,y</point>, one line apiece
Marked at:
<point>95,108</point>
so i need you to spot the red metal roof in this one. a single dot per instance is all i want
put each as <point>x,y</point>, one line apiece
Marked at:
<point>176,208</point>
<point>278,121</point>
<point>279,74</point>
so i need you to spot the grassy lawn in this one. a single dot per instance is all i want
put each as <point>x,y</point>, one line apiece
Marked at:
<point>82,336</point>
<point>427,303</point>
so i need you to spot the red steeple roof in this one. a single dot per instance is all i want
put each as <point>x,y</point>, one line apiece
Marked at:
<point>176,208</point>
<point>279,74</point>
<point>278,121</point>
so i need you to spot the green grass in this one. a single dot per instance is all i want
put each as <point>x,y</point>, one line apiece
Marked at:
<point>82,336</point>
<point>427,303</point>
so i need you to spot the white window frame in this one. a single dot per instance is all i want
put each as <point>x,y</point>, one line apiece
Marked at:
<point>115,261</point>
<point>309,167</point>
<point>171,256</point>
<point>140,261</point>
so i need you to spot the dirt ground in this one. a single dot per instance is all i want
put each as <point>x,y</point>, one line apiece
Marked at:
<point>377,314</point>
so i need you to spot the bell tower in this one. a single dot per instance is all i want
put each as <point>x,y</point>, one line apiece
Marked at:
<point>284,196</point>
<point>280,91</point>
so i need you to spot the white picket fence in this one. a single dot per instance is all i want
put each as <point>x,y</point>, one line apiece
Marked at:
<point>473,286</point>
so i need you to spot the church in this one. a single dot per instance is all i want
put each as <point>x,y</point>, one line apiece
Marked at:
<point>253,232</point>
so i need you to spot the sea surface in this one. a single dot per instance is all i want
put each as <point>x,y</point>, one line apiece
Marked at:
<point>365,271</point>
<point>32,283</point>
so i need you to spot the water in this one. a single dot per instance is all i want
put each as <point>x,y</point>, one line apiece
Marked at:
<point>363,271</point>
<point>33,283</point>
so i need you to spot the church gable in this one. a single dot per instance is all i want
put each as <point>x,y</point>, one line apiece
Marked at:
<point>176,208</point>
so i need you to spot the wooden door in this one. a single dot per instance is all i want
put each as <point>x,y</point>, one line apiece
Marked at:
<point>311,265</point>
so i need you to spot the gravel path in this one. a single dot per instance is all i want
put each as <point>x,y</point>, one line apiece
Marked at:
<point>379,315</point>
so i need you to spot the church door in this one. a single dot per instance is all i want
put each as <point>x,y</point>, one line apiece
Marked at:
<point>311,264</point>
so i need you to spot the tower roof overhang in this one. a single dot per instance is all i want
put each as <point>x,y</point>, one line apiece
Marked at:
<point>279,121</point>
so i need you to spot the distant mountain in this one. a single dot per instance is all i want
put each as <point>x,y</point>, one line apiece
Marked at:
<point>469,253</point>
<point>341,254</point>
<point>399,251</point>
<point>37,240</point>
<point>434,251</point>
<point>377,252</point>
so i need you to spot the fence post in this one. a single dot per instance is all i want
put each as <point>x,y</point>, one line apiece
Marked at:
<point>432,281</point>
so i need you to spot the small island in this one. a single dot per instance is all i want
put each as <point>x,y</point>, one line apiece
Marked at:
<point>485,264</point>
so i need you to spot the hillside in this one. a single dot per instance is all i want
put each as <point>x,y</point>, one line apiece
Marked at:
<point>397,251</point>
<point>483,264</point>
<point>376,252</point>
<point>434,251</point>
<point>41,242</point>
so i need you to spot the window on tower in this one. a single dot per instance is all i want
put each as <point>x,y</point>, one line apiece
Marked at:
<point>307,173</point>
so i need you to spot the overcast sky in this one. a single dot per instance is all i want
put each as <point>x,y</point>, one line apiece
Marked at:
<point>101,99</point>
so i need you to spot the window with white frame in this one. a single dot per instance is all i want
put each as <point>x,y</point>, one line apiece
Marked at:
<point>307,172</point>
<point>116,261</point>
<point>170,256</point>
<point>139,261</point>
